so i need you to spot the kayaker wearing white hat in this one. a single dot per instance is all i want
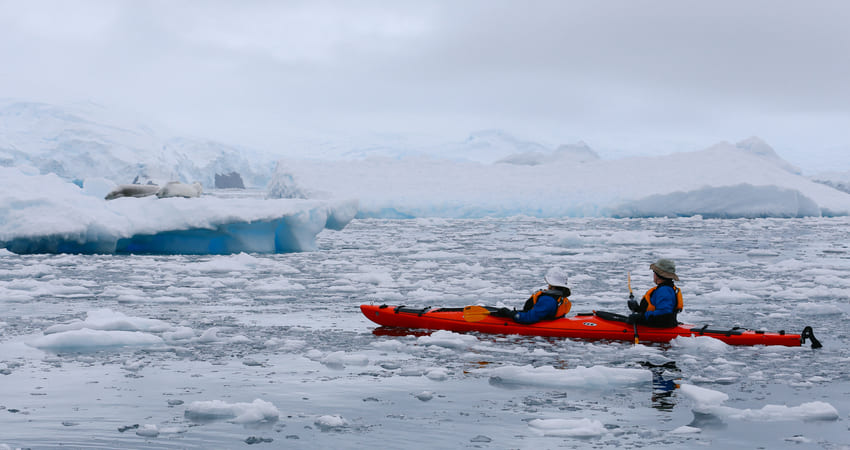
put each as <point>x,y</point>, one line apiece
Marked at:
<point>660,305</point>
<point>545,304</point>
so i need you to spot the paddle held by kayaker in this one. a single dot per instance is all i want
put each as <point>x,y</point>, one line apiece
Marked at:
<point>545,304</point>
<point>661,304</point>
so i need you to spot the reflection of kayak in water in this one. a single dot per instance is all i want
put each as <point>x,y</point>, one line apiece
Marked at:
<point>598,325</point>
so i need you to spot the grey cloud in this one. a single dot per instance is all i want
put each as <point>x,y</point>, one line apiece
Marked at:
<point>555,70</point>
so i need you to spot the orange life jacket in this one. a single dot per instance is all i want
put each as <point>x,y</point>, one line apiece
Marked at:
<point>564,303</point>
<point>651,307</point>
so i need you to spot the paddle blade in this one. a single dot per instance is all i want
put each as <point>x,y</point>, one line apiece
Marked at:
<point>475,313</point>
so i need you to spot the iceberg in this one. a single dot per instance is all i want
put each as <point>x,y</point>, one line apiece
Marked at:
<point>45,214</point>
<point>746,180</point>
<point>743,200</point>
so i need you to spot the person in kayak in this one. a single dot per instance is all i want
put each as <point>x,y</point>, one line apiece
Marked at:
<point>661,304</point>
<point>545,304</point>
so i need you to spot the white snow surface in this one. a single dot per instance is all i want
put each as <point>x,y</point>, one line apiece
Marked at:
<point>722,181</point>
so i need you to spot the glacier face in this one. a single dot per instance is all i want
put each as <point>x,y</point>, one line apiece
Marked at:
<point>45,214</point>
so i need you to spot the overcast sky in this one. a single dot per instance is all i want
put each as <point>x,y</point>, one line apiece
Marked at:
<point>627,77</point>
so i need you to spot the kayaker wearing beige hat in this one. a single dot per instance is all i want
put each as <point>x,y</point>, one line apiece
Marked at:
<point>660,305</point>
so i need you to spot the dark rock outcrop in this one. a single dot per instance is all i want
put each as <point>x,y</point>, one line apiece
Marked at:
<point>231,180</point>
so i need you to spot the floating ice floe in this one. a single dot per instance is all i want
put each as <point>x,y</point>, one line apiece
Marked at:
<point>256,411</point>
<point>708,401</point>
<point>340,359</point>
<point>437,374</point>
<point>577,428</point>
<point>26,289</point>
<point>148,430</point>
<point>330,422</point>
<point>700,344</point>
<point>424,396</point>
<point>596,377</point>
<point>107,319</point>
<point>106,329</point>
<point>684,429</point>
<point>87,339</point>
<point>448,339</point>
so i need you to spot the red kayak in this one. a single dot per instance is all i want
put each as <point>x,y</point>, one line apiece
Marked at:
<point>598,325</point>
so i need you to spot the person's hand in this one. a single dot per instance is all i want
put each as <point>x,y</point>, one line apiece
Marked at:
<point>633,305</point>
<point>503,312</point>
<point>633,318</point>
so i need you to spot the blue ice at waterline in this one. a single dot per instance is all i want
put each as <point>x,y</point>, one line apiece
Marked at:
<point>45,214</point>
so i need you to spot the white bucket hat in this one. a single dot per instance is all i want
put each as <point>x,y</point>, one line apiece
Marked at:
<point>556,277</point>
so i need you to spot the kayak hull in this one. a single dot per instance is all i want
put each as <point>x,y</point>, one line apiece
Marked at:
<point>581,326</point>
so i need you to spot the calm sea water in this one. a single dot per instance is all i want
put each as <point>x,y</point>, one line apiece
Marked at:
<point>287,329</point>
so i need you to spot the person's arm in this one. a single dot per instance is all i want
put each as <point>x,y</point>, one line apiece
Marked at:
<point>546,307</point>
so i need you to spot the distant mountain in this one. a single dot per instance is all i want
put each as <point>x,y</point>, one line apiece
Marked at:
<point>577,153</point>
<point>86,140</point>
<point>490,146</point>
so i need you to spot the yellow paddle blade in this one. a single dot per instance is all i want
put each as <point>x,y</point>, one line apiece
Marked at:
<point>475,313</point>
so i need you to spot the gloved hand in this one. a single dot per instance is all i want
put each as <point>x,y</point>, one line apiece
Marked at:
<point>633,305</point>
<point>503,312</point>
<point>634,318</point>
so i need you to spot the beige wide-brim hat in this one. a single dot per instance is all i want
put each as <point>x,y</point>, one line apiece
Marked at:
<point>665,268</point>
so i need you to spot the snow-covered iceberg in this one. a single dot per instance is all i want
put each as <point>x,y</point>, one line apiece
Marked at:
<point>730,181</point>
<point>45,214</point>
